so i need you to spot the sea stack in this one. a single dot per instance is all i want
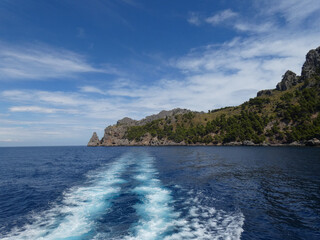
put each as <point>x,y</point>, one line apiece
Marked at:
<point>94,141</point>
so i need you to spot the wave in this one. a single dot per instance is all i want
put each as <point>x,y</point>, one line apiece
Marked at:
<point>155,209</point>
<point>200,220</point>
<point>159,218</point>
<point>74,217</point>
<point>160,213</point>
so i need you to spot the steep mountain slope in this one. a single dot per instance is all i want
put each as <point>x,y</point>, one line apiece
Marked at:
<point>288,114</point>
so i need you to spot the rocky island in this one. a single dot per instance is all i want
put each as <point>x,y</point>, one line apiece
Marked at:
<point>286,115</point>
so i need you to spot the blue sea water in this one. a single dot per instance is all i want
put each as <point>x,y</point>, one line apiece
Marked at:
<point>159,193</point>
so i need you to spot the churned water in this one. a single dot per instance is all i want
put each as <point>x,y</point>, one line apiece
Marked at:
<point>159,193</point>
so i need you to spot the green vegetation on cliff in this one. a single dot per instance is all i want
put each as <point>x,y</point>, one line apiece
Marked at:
<point>282,117</point>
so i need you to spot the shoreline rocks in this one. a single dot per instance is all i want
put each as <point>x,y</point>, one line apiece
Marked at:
<point>313,142</point>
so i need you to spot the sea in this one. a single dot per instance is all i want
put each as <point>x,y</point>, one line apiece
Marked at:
<point>183,192</point>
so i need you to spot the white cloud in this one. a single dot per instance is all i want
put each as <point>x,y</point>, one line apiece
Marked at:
<point>38,109</point>
<point>30,96</point>
<point>221,17</point>
<point>255,28</point>
<point>294,11</point>
<point>35,109</point>
<point>41,62</point>
<point>297,14</point>
<point>79,104</point>
<point>194,19</point>
<point>226,74</point>
<point>91,89</point>
<point>8,140</point>
<point>43,135</point>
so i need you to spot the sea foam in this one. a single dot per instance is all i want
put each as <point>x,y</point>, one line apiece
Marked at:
<point>155,208</point>
<point>74,217</point>
<point>159,218</point>
<point>203,221</point>
<point>161,214</point>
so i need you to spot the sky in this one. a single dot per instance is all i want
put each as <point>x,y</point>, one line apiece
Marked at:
<point>72,67</point>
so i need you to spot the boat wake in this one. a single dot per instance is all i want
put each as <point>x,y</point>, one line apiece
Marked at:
<point>158,214</point>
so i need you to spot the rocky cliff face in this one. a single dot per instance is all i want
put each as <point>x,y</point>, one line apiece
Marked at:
<point>289,80</point>
<point>311,67</point>
<point>312,64</point>
<point>115,135</point>
<point>162,114</point>
<point>127,122</point>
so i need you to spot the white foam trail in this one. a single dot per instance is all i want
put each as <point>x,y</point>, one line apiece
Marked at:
<point>75,216</point>
<point>159,220</point>
<point>155,212</point>
<point>206,223</point>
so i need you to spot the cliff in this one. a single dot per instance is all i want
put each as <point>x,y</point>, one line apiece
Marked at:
<point>116,135</point>
<point>288,114</point>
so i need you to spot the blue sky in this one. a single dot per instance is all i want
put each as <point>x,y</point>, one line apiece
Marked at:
<point>68,68</point>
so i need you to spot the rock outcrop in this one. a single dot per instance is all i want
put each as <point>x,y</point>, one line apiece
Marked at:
<point>233,144</point>
<point>115,135</point>
<point>312,64</point>
<point>162,114</point>
<point>247,143</point>
<point>313,142</point>
<point>267,92</point>
<point>127,122</point>
<point>94,141</point>
<point>295,144</point>
<point>289,80</point>
<point>311,67</point>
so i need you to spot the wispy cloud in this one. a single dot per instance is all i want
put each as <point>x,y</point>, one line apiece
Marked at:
<point>35,109</point>
<point>57,98</point>
<point>41,62</point>
<point>81,32</point>
<point>37,135</point>
<point>91,89</point>
<point>254,28</point>
<point>293,11</point>
<point>60,103</point>
<point>221,17</point>
<point>194,19</point>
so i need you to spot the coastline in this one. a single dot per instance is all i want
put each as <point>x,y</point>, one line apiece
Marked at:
<point>232,144</point>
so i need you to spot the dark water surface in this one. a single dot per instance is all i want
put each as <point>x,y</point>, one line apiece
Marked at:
<point>159,193</point>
